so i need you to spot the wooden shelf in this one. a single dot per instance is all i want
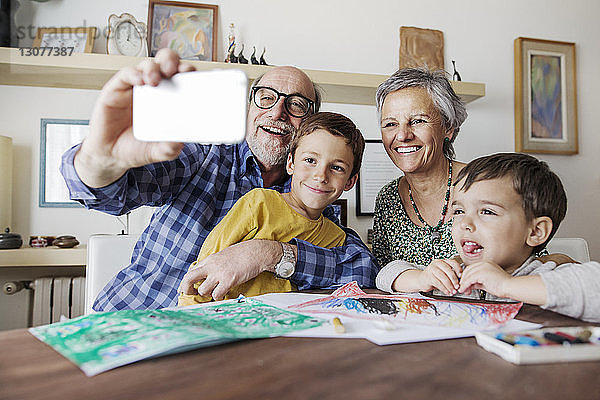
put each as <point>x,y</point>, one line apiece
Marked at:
<point>43,257</point>
<point>91,71</point>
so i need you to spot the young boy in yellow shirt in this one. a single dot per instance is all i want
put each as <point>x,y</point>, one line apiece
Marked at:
<point>324,159</point>
<point>506,207</point>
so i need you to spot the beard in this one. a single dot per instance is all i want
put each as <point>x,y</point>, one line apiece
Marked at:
<point>270,150</point>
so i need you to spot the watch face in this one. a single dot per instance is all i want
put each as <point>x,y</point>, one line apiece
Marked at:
<point>128,39</point>
<point>285,270</point>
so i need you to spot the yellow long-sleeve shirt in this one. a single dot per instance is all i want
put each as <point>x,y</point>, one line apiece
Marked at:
<point>263,214</point>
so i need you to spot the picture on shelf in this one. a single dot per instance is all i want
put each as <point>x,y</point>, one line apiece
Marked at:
<point>421,48</point>
<point>189,29</point>
<point>80,39</point>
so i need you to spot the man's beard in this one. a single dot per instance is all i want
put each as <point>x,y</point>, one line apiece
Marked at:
<point>270,150</point>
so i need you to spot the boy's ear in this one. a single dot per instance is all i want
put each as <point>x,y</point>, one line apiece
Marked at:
<point>350,184</point>
<point>540,230</point>
<point>289,165</point>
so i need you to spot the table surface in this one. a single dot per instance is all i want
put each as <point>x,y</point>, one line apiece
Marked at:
<point>302,368</point>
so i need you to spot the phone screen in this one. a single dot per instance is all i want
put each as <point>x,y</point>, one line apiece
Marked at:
<point>199,107</point>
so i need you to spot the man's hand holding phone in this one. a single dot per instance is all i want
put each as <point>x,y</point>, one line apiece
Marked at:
<point>111,148</point>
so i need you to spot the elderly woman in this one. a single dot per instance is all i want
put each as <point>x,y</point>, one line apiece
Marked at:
<point>420,118</point>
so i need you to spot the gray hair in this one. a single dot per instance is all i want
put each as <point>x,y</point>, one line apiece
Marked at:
<point>445,100</point>
<point>316,88</point>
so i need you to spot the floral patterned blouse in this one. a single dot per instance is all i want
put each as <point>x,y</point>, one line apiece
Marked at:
<point>396,237</point>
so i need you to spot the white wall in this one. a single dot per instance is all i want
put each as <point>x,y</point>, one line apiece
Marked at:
<point>353,36</point>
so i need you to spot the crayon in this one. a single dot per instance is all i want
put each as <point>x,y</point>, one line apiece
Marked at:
<point>517,340</point>
<point>574,339</point>
<point>338,326</point>
<point>557,338</point>
<point>571,338</point>
<point>584,335</point>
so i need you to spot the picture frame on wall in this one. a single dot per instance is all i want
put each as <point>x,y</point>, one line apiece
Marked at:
<point>80,39</point>
<point>377,170</point>
<point>545,97</point>
<point>56,137</point>
<point>189,29</point>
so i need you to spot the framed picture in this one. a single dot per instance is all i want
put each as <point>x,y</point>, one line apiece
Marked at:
<point>57,136</point>
<point>545,97</point>
<point>189,29</point>
<point>80,39</point>
<point>376,171</point>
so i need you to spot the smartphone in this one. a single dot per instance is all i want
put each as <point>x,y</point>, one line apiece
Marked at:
<point>195,107</point>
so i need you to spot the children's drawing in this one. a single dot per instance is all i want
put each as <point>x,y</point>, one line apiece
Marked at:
<point>351,301</point>
<point>99,342</point>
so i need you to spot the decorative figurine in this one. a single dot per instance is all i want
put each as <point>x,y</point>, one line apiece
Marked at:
<point>229,57</point>
<point>253,59</point>
<point>456,75</point>
<point>241,58</point>
<point>262,57</point>
<point>232,58</point>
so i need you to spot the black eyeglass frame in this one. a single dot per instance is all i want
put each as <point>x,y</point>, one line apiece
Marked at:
<point>311,104</point>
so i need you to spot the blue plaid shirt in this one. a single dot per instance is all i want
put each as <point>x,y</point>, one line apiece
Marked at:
<point>194,192</point>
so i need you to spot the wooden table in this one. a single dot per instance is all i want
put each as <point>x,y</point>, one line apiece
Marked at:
<point>302,368</point>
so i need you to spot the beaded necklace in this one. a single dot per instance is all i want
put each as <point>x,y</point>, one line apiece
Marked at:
<point>434,232</point>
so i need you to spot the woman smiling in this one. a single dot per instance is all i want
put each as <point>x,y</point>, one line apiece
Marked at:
<point>420,116</point>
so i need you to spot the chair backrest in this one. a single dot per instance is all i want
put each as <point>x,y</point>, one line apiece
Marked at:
<point>107,255</point>
<point>576,248</point>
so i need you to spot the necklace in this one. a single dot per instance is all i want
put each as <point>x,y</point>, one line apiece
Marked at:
<point>435,234</point>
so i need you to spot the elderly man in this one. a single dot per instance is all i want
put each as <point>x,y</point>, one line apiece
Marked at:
<point>194,186</point>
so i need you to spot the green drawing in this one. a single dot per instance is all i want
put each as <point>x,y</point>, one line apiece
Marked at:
<point>99,342</point>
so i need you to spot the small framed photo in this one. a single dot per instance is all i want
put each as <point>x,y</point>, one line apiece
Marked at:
<point>377,170</point>
<point>189,29</point>
<point>57,136</point>
<point>545,97</point>
<point>81,39</point>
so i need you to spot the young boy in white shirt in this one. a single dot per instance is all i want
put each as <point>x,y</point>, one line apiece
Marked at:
<point>506,209</point>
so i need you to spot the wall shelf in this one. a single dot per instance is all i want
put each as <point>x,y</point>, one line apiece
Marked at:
<point>91,71</point>
<point>43,257</point>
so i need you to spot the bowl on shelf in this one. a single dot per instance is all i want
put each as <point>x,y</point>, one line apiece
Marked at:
<point>10,240</point>
<point>65,241</point>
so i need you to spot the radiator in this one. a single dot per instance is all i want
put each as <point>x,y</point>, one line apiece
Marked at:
<point>56,296</point>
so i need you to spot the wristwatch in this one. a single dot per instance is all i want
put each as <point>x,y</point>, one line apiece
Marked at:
<point>287,265</point>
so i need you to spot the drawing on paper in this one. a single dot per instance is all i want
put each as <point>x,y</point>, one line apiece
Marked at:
<point>351,301</point>
<point>99,342</point>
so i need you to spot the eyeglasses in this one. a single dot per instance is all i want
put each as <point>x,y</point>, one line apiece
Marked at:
<point>295,104</point>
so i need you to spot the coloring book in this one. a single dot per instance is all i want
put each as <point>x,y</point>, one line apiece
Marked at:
<point>99,342</point>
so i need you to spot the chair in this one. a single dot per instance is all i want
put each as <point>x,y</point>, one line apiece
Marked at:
<point>107,255</point>
<point>576,248</point>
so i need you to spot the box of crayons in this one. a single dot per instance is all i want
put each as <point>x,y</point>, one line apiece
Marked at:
<point>545,345</point>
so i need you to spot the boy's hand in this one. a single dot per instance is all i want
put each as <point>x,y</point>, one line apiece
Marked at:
<point>442,275</point>
<point>485,275</point>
